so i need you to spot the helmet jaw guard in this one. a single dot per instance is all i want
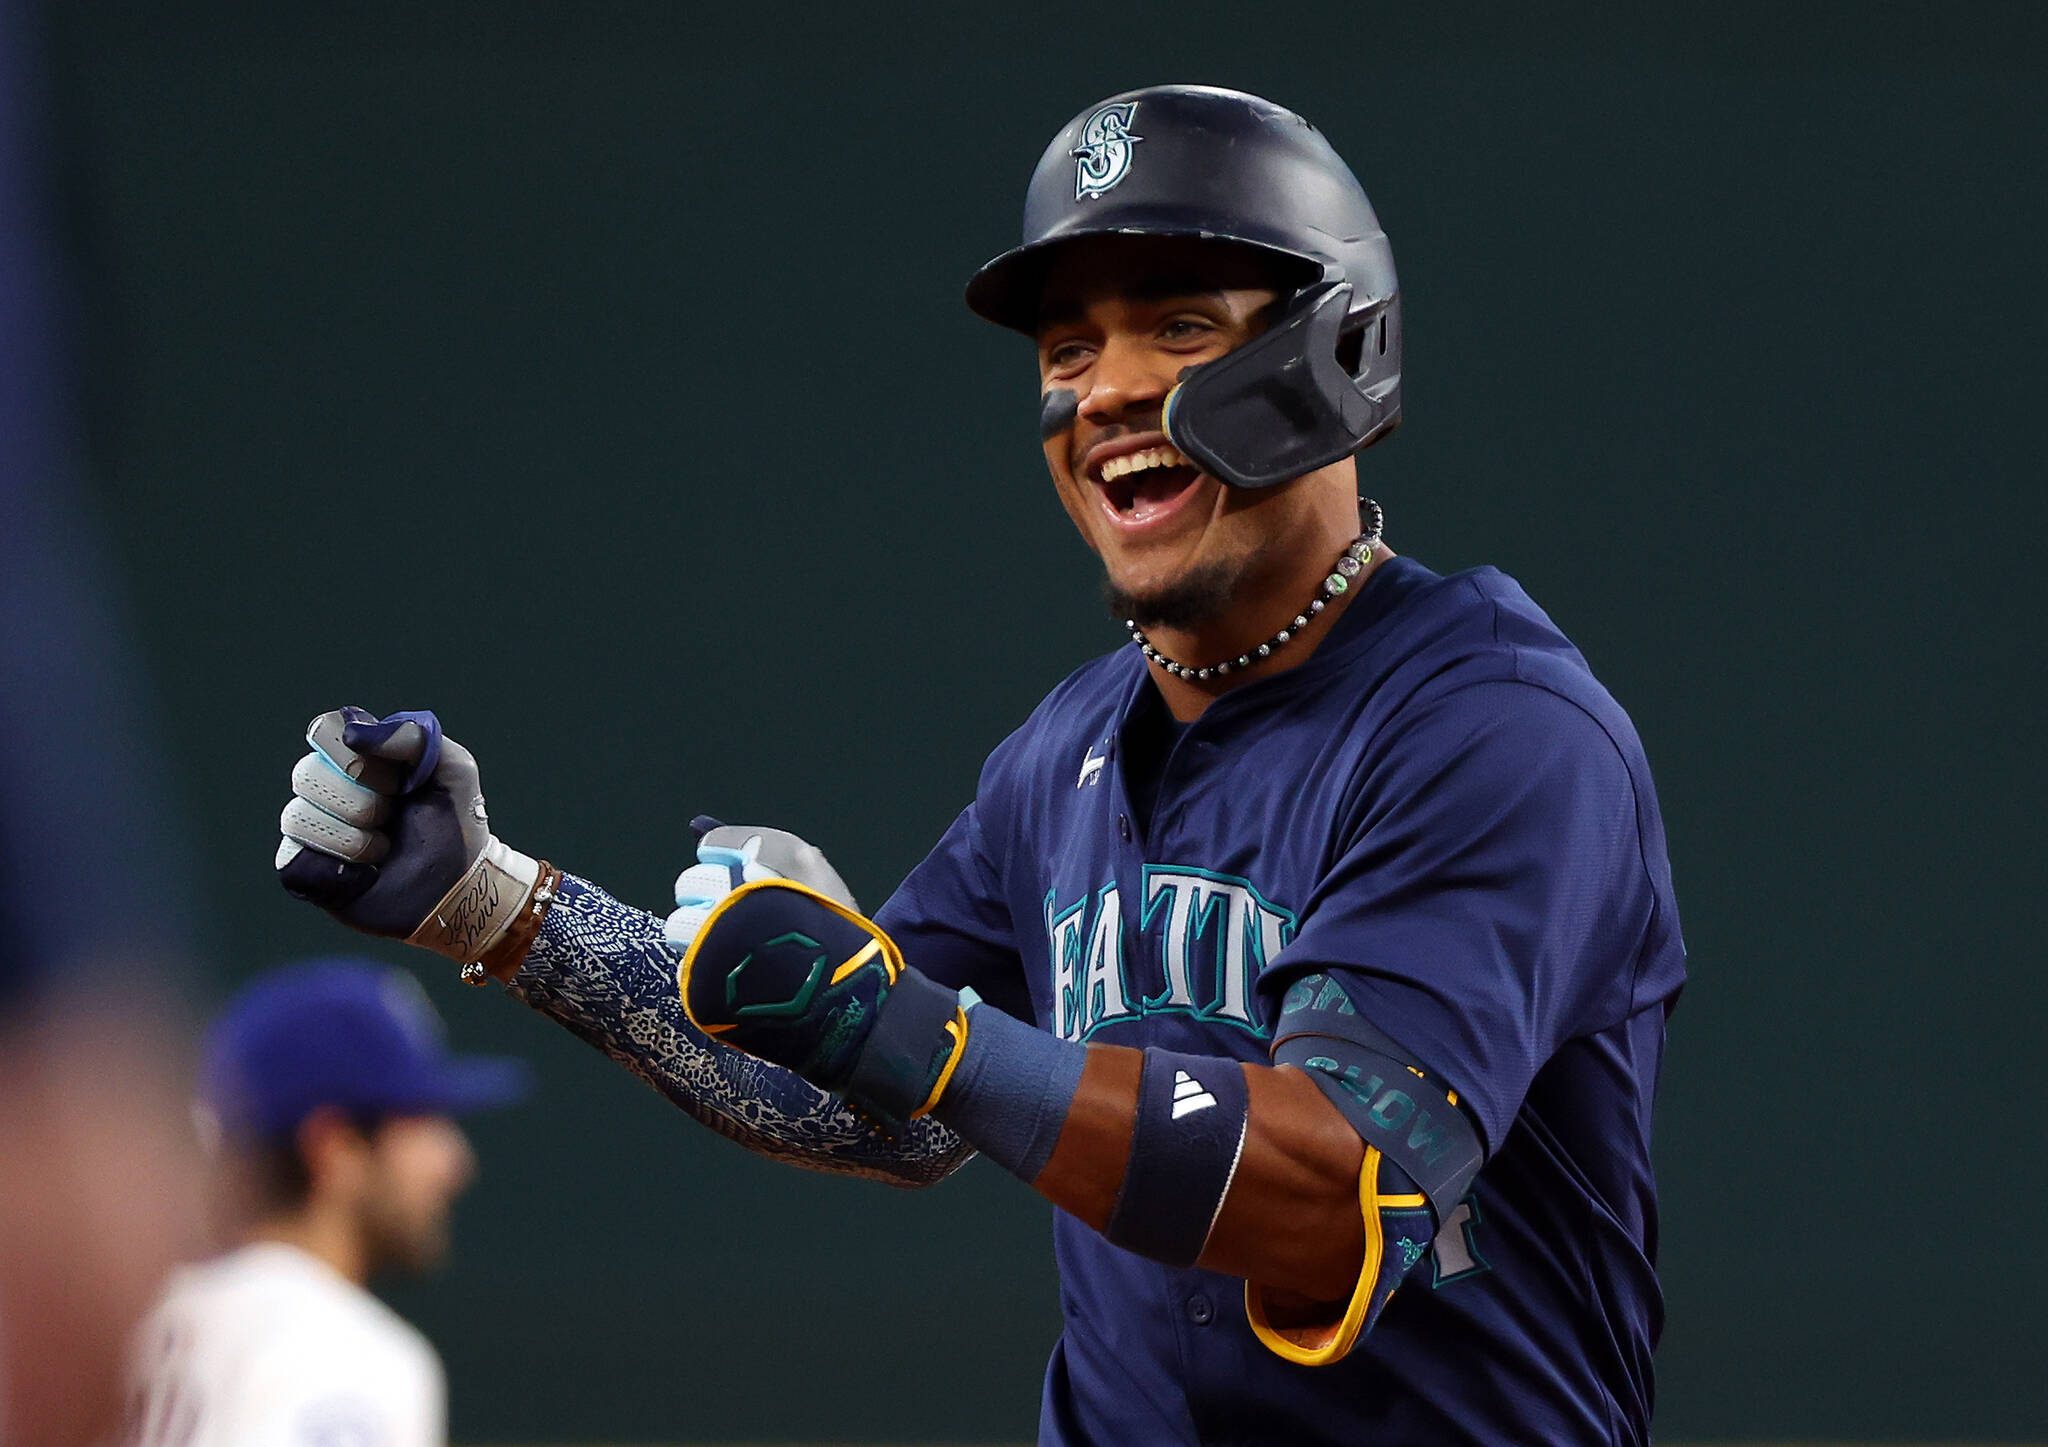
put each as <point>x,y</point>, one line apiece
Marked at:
<point>1283,404</point>
<point>1193,161</point>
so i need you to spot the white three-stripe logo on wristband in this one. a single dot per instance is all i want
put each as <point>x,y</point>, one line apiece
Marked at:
<point>1188,1095</point>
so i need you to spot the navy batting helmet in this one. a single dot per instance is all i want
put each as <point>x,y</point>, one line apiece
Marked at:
<point>1324,379</point>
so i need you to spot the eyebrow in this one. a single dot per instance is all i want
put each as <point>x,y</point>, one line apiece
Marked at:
<point>1151,288</point>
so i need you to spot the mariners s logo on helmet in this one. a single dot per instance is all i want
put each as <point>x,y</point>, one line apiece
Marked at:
<point>1104,156</point>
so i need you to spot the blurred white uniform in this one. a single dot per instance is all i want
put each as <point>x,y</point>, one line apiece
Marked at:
<point>268,1345</point>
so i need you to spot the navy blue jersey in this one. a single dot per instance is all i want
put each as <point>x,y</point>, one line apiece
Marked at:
<point>1444,811</point>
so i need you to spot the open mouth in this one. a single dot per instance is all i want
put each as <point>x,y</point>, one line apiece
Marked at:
<point>1143,486</point>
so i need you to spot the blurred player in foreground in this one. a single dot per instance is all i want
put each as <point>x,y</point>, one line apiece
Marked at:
<point>333,1097</point>
<point>1318,943</point>
<point>99,1183</point>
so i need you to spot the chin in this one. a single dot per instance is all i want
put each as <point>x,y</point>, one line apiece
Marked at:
<point>412,1253</point>
<point>1184,598</point>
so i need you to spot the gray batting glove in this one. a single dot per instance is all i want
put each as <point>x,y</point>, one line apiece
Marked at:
<point>730,855</point>
<point>386,831</point>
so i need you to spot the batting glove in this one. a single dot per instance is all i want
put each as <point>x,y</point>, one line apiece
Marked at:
<point>730,855</point>
<point>386,831</point>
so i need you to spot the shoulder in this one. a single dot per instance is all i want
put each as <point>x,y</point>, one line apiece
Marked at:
<point>252,1287</point>
<point>1522,721</point>
<point>306,1314</point>
<point>385,1342</point>
<point>1474,654</point>
<point>1501,767</point>
<point>1499,733</point>
<point>285,1346</point>
<point>1475,709</point>
<point>356,1366</point>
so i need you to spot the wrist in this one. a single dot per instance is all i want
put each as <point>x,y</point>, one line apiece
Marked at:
<point>489,917</point>
<point>503,959</point>
<point>1012,1090</point>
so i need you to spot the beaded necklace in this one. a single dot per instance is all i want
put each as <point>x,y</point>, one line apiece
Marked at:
<point>1350,563</point>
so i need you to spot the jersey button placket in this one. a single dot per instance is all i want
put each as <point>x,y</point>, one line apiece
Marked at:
<point>1201,1310</point>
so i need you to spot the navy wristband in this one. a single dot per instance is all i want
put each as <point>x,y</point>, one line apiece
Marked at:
<point>1011,1092</point>
<point>1193,1111</point>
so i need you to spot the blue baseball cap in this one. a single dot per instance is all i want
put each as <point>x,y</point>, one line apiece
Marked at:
<point>344,1033</point>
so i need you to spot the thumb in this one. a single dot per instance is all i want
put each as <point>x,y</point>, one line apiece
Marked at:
<point>410,737</point>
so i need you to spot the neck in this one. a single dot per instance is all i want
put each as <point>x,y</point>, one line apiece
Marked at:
<point>1263,610</point>
<point>326,1235</point>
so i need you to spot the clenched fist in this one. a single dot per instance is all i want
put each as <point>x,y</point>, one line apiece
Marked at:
<point>386,831</point>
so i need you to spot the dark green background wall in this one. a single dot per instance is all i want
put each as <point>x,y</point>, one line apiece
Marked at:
<point>597,376</point>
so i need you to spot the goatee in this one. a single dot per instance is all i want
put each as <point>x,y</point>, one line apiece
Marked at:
<point>1201,595</point>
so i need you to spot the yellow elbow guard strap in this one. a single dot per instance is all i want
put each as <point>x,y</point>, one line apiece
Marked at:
<point>1398,1230</point>
<point>1421,1155</point>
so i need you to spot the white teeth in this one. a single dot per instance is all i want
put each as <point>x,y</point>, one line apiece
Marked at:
<point>1131,462</point>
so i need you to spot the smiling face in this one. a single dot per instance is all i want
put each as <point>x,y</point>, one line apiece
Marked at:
<point>1122,318</point>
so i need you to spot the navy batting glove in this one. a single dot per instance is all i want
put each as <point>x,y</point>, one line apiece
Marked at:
<point>386,818</point>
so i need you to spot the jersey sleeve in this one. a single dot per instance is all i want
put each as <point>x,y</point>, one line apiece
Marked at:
<point>952,921</point>
<point>1488,894</point>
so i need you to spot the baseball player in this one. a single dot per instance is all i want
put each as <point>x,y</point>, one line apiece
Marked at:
<point>332,1096</point>
<point>1312,953</point>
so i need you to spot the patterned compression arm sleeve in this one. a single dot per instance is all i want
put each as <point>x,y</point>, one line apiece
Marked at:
<point>600,970</point>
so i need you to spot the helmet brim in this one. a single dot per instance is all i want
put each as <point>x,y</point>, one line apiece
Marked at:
<point>1007,290</point>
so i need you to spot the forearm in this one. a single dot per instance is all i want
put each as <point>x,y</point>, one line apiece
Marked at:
<point>1320,1177</point>
<point>599,969</point>
<point>1290,1219</point>
<point>1245,1169</point>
